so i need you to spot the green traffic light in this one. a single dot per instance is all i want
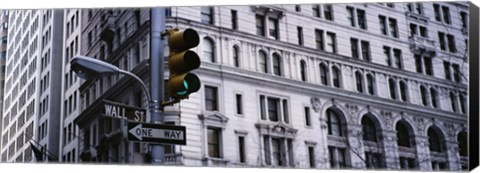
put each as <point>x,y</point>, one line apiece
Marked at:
<point>185,84</point>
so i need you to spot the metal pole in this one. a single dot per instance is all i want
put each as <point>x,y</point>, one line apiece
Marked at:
<point>157,18</point>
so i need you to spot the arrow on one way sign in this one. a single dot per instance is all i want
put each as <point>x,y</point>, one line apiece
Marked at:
<point>156,133</point>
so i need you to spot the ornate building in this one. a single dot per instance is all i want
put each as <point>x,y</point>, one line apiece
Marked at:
<point>352,86</point>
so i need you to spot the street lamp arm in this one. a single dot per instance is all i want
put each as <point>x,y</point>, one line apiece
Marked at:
<point>142,84</point>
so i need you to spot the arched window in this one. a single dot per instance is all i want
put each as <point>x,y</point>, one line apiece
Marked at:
<point>236,61</point>
<point>208,51</point>
<point>359,81</point>
<point>462,144</point>
<point>423,94</point>
<point>434,140</point>
<point>370,84</point>
<point>336,77</point>
<point>277,66</point>
<point>403,91</point>
<point>403,136</point>
<point>453,101</point>
<point>369,130</point>
<point>393,87</point>
<point>323,74</point>
<point>433,94</point>
<point>333,123</point>
<point>263,62</point>
<point>462,102</point>
<point>303,70</point>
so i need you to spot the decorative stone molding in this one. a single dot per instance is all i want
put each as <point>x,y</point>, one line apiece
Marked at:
<point>316,104</point>
<point>420,124</point>
<point>276,129</point>
<point>213,119</point>
<point>353,112</point>
<point>387,118</point>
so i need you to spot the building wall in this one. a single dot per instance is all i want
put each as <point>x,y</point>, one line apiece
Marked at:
<point>3,54</point>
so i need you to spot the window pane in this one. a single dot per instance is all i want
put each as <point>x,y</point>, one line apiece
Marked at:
<point>273,109</point>
<point>213,143</point>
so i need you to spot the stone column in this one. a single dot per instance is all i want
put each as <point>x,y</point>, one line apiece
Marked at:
<point>355,146</point>
<point>423,153</point>
<point>390,148</point>
<point>453,158</point>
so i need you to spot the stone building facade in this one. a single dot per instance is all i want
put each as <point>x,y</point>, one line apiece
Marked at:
<point>352,86</point>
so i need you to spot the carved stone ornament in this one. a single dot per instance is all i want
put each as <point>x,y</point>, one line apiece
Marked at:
<point>450,129</point>
<point>316,103</point>
<point>420,123</point>
<point>388,120</point>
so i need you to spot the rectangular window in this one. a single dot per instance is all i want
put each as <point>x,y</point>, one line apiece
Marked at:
<point>362,20</point>
<point>239,103</point>
<point>262,108</point>
<point>456,72</point>
<point>241,149</point>
<point>319,39</point>
<point>307,116</point>
<point>418,63</point>
<point>300,35</point>
<point>413,29</point>
<point>441,40</point>
<point>298,8</point>
<point>331,42</point>
<point>273,28</point>
<point>328,12</point>
<point>397,54</point>
<point>423,31</point>
<point>273,112</point>
<point>234,20</point>
<point>446,14</point>
<point>383,24</point>
<point>351,16</point>
<point>311,156</point>
<point>393,27</point>
<point>213,137</point>
<point>446,67</point>
<point>316,11</point>
<point>211,98</point>
<point>207,15</point>
<point>260,24</point>
<point>451,43</point>
<point>436,9</point>
<point>464,19</point>
<point>354,47</point>
<point>386,52</point>
<point>285,111</point>
<point>365,50</point>
<point>428,65</point>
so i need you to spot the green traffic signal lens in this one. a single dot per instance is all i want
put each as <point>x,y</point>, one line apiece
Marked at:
<point>185,84</point>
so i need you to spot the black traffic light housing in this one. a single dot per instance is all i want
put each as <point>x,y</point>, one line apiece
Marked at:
<point>181,61</point>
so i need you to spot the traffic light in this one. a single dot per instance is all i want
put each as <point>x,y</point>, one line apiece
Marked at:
<point>181,61</point>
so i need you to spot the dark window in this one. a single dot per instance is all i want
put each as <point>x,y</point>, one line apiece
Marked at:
<point>241,149</point>
<point>446,14</point>
<point>333,123</point>
<point>211,98</point>
<point>428,65</point>
<point>462,103</point>
<point>362,20</point>
<point>273,28</point>
<point>336,77</point>
<point>369,130</point>
<point>323,74</point>
<point>337,157</point>
<point>434,141</point>
<point>303,70</point>
<point>433,94</point>
<point>239,103</point>
<point>383,24</point>
<point>370,83</point>
<point>446,67</point>
<point>277,65</point>
<point>236,61</point>
<point>386,52</point>
<point>298,8</point>
<point>319,39</point>
<point>418,63</point>
<point>441,40</point>
<point>423,93</point>
<point>307,116</point>
<point>354,47</point>
<point>456,72</point>
<point>365,50</point>
<point>285,111</point>
<point>273,112</point>
<point>262,108</point>
<point>213,136</point>
<point>300,35</point>
<point>331,42</point>
<point>351,16</point>
<point>413,29</point>
<point>234,19</point>
<point>392,85</point>
<point>407,163</point>
<point>403,136</point>
<point>263,62</point>
<point>311,157</point>
<point>463,143</point>
<point>207,15</point>
<point>451,43</point>
<point>423,31</point>
<point>168,12</point>
<point>260,24</point>
<point>373,160</point>
<point>453,101</point>
<point>436,9</point>
<point>393,27</point>
<point>403,91</point>
<point>359,81</point>
<point>328,12</point>
<point>464,19</point>
<point>397,54</point>
<point>316,11</point>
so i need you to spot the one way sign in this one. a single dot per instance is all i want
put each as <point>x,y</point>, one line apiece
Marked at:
<point>157,133</point>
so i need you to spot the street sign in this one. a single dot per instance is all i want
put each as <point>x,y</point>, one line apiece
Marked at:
<point>157,133</point>
<point>118,110</point>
